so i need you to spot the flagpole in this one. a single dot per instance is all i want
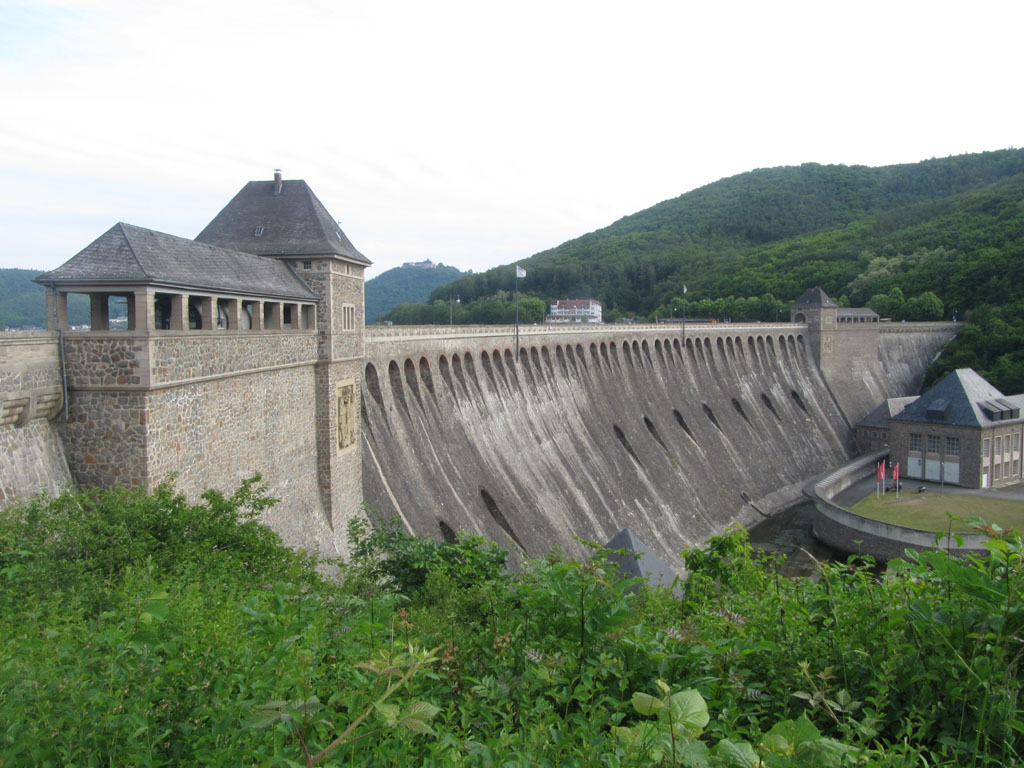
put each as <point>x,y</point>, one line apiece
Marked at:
<point>518,269</point>
<point>683,353</point>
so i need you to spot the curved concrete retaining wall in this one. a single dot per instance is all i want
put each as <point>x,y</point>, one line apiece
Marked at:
<point>848,532</point>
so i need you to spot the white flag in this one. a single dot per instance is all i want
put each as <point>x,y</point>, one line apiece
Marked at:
<point>520,272</point>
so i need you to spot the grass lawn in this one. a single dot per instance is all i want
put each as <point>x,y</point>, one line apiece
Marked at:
<point>929,511</point>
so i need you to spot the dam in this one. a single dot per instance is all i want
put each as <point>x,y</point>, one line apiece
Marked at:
<point>243,351</point>
<point>673,432</point>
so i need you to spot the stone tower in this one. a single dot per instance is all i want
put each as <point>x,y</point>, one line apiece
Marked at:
<point>284,220</point>
<point>815,308</point>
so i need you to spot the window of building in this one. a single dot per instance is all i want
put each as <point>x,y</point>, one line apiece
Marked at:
<point>346,414</point>
<point>952,446</point>
<point>258,232</point>
<point>1016,467</point>
<point>996,471</point>
<point>1016,441</point>
<point>933,443</point>
<point>915,443</point>
<point>999,447</point>
<point>348,317</point>
<point>307,265</point>
<point>874,433</point>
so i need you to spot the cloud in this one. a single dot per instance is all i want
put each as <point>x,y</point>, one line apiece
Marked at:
<point>468,132</point>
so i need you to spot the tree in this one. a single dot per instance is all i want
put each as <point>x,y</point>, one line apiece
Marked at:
<point>927,306</point>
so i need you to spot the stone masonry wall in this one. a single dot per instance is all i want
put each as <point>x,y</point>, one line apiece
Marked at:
<point>105,437</point>
<point>31,400</point>
<point>208,409</point>
<point>117,359</point>
<point>188,356</point>
<point>873,361</point>
<point>216,433</point>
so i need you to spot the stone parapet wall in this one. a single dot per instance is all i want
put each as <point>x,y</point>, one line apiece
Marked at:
<point>143,361</point>
<point>188,356</point>
<point>29,360</point>
<point>387,341</point>
<point>104,360</point>
<point>848,532</point>
<point>944,328</point>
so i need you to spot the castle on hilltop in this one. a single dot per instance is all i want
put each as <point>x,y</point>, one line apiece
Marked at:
<point>243,353</point>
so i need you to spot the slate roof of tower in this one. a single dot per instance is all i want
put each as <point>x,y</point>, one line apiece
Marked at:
<point>814,297</point>
<point>130,255</point>
<point>960,396</point>
<point>294,223</point>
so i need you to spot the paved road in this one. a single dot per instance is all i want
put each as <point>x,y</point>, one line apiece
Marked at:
<point>866,487</point>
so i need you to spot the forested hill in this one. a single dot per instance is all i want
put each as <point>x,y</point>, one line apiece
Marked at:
<point>952,226</point>
<point>23,302</point>
<point>408,283</point>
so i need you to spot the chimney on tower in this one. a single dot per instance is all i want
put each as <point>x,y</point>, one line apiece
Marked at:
<point>277,181</point>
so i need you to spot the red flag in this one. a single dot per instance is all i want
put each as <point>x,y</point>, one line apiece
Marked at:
<point>896,472</point>
<point>880,473</point>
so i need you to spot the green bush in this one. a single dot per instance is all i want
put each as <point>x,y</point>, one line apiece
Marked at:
<point>145,630</point>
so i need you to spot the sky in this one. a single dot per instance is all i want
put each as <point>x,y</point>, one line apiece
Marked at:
<point>468,132</point>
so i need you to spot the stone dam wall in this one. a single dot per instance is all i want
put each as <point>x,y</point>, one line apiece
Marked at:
<point>31,401</point>
<point>594,430</point>
<point>871,363</point>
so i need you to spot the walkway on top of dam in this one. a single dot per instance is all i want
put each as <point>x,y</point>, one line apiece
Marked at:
<point>391,333</point>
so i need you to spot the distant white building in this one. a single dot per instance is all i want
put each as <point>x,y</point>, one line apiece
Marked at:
<point>575,311</point>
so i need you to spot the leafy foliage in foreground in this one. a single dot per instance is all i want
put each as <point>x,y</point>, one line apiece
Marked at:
<point>149,631</point>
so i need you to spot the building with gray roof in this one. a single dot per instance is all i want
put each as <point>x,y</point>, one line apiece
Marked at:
<point>216,358</point>
<point>172,283</point>
<point>873,429</point>
<point>962,431</point>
